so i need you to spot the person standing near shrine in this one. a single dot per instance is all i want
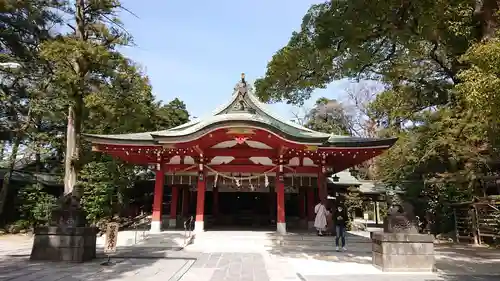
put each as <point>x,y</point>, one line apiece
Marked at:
<point>340,227</point>
<point>329,221</point>
<point>320,220</point>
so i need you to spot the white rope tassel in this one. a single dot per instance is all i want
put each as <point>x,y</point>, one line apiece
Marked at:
<point>240,177</point>
<point>238,184</point>
<point>216,178</point>
<point>266,180</point>
<point>251,185</point>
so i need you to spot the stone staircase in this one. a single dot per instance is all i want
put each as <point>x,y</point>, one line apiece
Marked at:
<point>271,241</point>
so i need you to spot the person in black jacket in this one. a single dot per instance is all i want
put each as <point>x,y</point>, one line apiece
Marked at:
<point>340,218</point>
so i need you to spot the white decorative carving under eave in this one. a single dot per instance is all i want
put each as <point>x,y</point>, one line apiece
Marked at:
<point>261,161</point>
<point>295,161</point>
<point>188,160</point>
<point>219,160</point>
<point>250,143</point>
<point>257,144</point>
<point>309,162</point>
<point>175,160</point>
<point>225,144</point>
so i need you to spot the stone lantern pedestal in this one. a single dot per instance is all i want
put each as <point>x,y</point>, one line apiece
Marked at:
<point>68,238</point>
<point>403,252</point>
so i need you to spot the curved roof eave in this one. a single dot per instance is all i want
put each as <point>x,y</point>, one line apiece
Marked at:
<point>227,116</point>
<point>263,108</point>
<point>258,106</point>
<point>359,142</point>
<point>238,117</point>
<point>217,111</point>
<point>241,120</point>
<point>132,139</point>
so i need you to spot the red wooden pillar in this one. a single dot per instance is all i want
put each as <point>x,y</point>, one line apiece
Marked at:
<point>215,206</point>
<point>280,203</point>
<point>272,203</point>
<point>172,222</point>
<point>185,201</point>
<point>310,207</point>
<point>158,199</point>
<point>199,224</point>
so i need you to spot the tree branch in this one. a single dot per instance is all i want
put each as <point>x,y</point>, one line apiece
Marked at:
<point>436,59</point>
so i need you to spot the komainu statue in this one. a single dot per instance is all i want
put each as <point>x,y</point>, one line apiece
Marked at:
<point>400,217</point>
<point>68,213</point>
<point>400,248</point>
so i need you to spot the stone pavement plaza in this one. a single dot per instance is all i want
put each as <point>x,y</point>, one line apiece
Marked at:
<point>153,260</point>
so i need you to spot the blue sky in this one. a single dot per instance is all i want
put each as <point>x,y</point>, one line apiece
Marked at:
<point>196,50</point>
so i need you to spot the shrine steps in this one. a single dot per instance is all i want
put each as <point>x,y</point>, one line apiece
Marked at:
<point>270,241</point>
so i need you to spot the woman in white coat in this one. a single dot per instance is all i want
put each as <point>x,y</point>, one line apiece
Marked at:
<point>320,220</point>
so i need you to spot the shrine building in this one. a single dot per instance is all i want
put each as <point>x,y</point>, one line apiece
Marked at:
<point>243,160</point>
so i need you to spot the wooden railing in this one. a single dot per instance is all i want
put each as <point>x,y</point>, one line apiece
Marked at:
<point>477,222</point>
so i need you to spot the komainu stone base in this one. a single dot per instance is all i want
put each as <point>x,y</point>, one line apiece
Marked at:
<point>401,252</point>
<point>69,244</point>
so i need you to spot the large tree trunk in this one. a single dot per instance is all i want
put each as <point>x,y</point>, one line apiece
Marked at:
<point>72,157</point>
<point>69,169</point>
<point>75,110</point>
<point>12,160</point>
<point>10,168</point>
<point>38,146</point>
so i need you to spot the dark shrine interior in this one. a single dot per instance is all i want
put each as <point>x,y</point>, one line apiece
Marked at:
<point>255,210</point>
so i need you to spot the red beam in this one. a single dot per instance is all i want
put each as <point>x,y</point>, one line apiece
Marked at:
<point>338,158</point>
<point>240,152</point>
<point>141,159</point>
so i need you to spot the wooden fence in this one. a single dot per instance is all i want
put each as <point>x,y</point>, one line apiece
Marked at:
<point>477,222</point>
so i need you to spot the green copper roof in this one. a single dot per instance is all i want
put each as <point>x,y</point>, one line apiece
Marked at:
<point>243,109</point>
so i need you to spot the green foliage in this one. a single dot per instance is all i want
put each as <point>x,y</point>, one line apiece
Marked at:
<point>329,116</point>
<point>77,71</point>
<point>104,184</point>
<point>98,191</point>
<point>439,62</point>
<point>35,204</point>
<point>417,42</point>
<point>171,115</point>
<point>481,82</point>
<point>353,202</point>
<point>124,105</point>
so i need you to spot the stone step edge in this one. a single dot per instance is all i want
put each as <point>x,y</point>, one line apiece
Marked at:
<point>291,237</point>
<point>225,240</point>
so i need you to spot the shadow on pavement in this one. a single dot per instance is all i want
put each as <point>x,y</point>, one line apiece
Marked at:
<point>467,260</point>
<point>310,246</point>
<point>453,262</point>
<point>158,256</point>
<point>395,277</point>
